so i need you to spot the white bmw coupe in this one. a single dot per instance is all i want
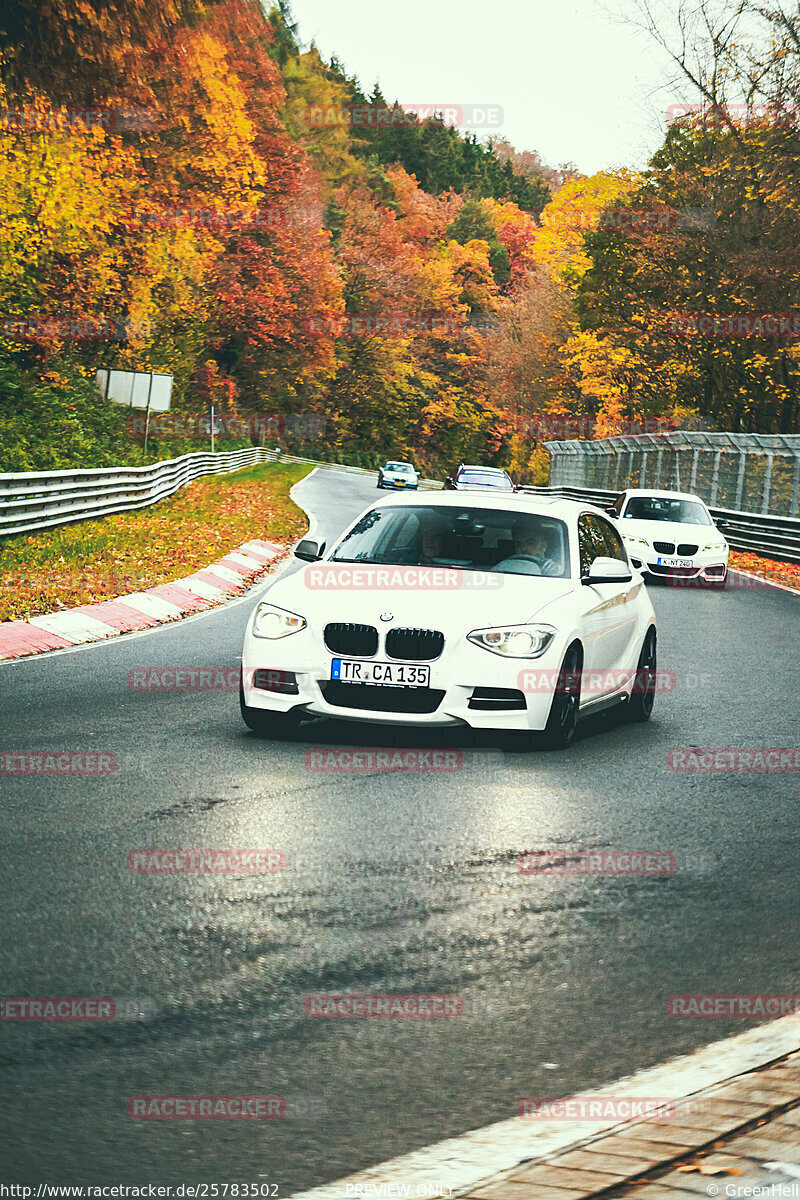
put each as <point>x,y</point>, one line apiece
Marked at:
<point>506,612</point>
<point>672,535</point>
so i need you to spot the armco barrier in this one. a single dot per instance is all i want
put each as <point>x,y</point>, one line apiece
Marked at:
<point>774,537</point>
<point>42,499</point>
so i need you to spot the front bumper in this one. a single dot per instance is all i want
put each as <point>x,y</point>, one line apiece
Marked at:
<point>455,676</point>
<point>705,567</point>
<point>395,483</point>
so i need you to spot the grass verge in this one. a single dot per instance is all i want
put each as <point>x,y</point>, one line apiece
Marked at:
<point>90,561</point>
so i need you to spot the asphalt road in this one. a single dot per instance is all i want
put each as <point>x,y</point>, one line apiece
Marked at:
<point>393,884</point>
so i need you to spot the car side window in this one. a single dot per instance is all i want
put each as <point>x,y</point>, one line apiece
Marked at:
<point>614,543</point>
<point>591,543</point>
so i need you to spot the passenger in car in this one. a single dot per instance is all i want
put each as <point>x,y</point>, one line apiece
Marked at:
<point>534,551</point>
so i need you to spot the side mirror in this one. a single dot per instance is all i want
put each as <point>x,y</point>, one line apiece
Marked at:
<point>309,550</point>
<point>721,524</point>
<point>607,570</point>
<point>612,512</point>
<point>448,481</point>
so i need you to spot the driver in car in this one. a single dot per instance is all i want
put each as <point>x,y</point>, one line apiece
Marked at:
<point>533,551</point>
<point>432,541</point>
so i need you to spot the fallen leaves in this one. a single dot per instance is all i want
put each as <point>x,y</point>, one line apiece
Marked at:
<point>92,561</point>
<point>766,568</point>
<point>713,1164</point>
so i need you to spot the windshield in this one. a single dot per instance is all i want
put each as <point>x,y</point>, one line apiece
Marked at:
<point>473,539</point>
<point>402,468</point>
<point>486,479</point>
<point>662,508</point>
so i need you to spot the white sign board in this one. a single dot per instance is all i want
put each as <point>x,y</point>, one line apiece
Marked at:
<point>140,389</point>
<point>161,393</point>
<point>134,389</point>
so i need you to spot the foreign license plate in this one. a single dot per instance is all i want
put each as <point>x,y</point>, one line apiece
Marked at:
<point>675,562</point>
<point>388,674</point>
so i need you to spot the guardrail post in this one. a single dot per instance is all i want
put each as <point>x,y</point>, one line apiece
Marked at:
<point>643,469</point>
<point>740,481</point>
<point>659,459</point>
<point>715,478</point>
<point>695,461</point>
<point>767,483</point>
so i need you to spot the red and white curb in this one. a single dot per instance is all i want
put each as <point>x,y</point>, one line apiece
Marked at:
<point>482,1156</point>
<point>139,610</point>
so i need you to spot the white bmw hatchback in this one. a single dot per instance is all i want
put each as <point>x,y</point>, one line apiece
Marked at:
<point>505,612</point>
<point>672,535</point>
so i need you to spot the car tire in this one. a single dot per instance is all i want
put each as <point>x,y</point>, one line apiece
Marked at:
<point>268,724</point>
<point>562,723</point>
<point>640,702</point>
<point>380,482</point>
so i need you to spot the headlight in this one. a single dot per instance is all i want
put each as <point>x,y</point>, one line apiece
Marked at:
<point>634,541</point>
<point>271,622</point>
<point>715,546</point>
<point>514,641</point>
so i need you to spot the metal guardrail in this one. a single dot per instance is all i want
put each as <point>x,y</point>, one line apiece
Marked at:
<point>773,537</point>
<point>36,500</point>
<point>42,499</point>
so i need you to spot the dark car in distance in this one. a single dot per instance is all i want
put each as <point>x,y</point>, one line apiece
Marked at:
<point>473,478</point>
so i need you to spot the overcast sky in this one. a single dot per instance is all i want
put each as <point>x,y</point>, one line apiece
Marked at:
<point>574,83</point>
